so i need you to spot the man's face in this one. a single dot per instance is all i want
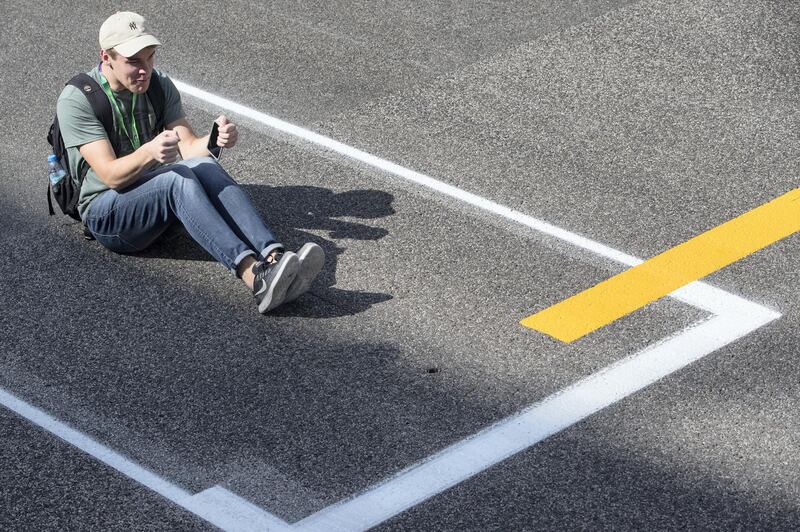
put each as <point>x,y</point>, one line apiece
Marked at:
<point>134,72</point>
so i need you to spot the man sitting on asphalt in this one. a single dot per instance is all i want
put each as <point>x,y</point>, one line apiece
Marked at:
<point>132,195</point>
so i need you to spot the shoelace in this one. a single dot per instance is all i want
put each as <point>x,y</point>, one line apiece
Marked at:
<point>263,265</point>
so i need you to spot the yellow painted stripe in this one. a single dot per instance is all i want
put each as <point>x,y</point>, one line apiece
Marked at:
<point>704,254</point>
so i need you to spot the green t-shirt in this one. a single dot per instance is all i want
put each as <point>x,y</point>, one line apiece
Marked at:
<point>80,126</point>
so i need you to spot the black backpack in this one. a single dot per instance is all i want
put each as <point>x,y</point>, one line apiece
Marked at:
<point>67,191</point>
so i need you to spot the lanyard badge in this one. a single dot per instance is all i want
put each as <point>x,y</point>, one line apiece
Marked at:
<point>134,138</point>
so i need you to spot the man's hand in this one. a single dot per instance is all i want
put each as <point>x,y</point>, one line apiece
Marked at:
<point>228,135</point>
<point>164,148</point>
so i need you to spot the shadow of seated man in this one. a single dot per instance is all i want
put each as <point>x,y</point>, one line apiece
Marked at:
<point>295,212</point>
<point>300,212</point>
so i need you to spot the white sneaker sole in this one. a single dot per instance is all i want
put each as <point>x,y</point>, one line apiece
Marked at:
<point>312,259</point>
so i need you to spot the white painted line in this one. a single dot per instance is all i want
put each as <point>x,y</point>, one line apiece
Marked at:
<point>90,446</point>
<point>519,432</point>
<point>215,510</point>
<point>231,512</point>
<point>410,175</point>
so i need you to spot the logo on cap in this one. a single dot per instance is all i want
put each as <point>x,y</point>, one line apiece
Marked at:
<point>132,25</point>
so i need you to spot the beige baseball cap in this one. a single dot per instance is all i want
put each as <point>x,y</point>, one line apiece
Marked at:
<point>125,32</point>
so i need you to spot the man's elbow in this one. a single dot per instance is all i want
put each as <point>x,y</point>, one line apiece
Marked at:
<point>110,180</point>
<point>120,183</point>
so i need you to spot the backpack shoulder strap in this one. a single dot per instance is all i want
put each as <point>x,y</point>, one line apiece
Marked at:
<point>157,99</point>
<point>98,100</point>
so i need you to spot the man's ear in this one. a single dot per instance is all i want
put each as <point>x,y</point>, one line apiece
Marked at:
<point>105,57</point>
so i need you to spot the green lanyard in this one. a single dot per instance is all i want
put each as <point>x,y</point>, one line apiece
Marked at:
<point>135,142</point>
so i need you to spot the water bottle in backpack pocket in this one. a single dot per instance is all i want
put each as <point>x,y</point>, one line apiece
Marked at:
<point>56,173</point>
<point>62,187</point>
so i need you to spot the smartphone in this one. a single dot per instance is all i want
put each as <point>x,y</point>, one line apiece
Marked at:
<point>213,148</point>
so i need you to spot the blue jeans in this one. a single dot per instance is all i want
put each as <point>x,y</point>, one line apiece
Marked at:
<point>213,208</point>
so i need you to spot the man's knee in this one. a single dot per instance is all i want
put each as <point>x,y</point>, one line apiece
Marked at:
<point>181,183</point>
<point>172,174</point>
<point>181,176</point>
<point>211,175</point>
<point>194,162</point>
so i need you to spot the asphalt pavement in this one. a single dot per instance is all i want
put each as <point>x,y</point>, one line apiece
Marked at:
<point>637,125</point>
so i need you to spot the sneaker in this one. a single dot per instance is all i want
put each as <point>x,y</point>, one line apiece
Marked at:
<point>272,280</point>
<point>312,259</point>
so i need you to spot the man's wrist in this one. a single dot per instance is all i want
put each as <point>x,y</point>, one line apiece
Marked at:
<point>200,146</point>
